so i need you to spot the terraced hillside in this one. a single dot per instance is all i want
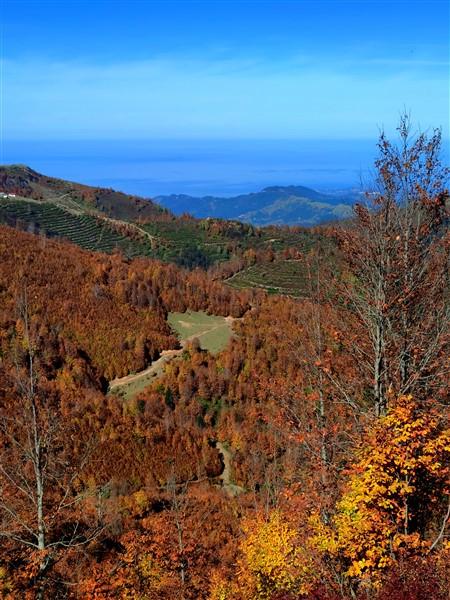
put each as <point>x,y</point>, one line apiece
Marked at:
<point>288,277</point>
<point>108,221</point>
<point>192,242</point>
<point>84,230</point>
<point>27,183</point>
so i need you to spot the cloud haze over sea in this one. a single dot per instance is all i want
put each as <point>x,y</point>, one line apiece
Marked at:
<point>221,167</point>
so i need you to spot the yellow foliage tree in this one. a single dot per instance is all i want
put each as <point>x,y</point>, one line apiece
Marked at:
<point>272,560</point>
<point>396,494</point>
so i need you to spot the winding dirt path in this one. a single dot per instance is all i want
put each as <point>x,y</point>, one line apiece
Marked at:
<point>226,476</point>
<point>157,366</point>
<point>155,370</point>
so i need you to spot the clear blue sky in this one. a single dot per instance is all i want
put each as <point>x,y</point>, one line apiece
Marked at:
<point>222,68</point>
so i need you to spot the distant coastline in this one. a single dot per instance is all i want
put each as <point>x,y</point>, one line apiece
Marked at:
<point>199,167</point>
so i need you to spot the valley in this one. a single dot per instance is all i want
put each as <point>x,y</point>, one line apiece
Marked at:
<point>224,300</point>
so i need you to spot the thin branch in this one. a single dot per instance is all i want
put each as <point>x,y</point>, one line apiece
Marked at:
<point>442,530</point>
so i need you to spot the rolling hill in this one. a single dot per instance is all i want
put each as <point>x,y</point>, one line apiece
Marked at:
<point>276,205</point>
<point>100,219</point>
<point>25,182</point>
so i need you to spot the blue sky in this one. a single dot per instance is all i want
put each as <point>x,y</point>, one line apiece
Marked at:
<point>221,68</point>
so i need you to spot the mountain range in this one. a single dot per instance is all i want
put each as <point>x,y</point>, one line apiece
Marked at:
<point>275,205</point>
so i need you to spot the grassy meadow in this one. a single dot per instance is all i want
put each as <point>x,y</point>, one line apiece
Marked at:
<point>212,332</point>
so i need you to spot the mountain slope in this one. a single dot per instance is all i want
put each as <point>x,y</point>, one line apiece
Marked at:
<point>276,205</point>
<point>25,182</point>
<point>103,220</point>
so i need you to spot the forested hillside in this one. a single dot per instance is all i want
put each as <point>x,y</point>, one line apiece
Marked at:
<point>308,459</point>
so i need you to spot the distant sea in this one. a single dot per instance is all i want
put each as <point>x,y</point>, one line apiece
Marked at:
<point>220,168</point>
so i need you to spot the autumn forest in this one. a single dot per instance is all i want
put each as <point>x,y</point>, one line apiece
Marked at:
<point>307,459</point>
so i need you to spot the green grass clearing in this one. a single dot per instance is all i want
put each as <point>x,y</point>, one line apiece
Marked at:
<point>212,332</point>
<point>132,389</point>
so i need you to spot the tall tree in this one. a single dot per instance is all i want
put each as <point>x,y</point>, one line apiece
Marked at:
<point>397,251</point>
<point>42,458</point>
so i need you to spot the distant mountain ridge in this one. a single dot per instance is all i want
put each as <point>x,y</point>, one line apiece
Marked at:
<point>103,220</point>
<point>274,205</point>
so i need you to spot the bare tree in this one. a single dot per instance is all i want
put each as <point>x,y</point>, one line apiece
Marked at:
<point>397,251</point>
<point>178,498</point>
<point>39,467</point>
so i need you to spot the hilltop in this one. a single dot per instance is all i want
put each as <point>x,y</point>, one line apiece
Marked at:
<point>25,182</point>
<point>275,205</point>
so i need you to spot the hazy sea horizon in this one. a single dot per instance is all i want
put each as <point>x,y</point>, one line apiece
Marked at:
<point>198,167</point>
